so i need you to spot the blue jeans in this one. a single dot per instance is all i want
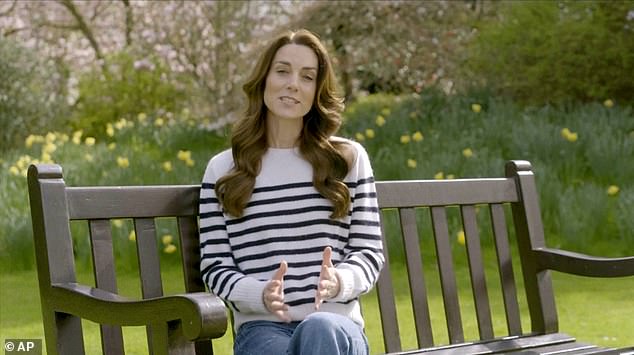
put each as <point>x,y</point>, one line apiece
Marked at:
<point>320,333</point>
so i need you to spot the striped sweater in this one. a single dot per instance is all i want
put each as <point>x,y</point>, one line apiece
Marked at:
<point>287,219</point>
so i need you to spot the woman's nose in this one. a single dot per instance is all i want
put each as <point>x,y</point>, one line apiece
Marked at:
<point>292,82</point>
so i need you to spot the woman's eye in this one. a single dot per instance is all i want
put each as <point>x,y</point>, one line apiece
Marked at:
<point>308,77</point>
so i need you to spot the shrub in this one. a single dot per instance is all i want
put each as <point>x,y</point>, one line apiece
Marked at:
<point>555,52</point>
<point>130,86</point>
<point>30,93</point>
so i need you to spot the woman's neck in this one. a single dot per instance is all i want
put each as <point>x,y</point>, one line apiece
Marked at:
<point>283,133</point>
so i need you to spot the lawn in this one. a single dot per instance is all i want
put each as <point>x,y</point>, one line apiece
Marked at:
<point>593,310</point>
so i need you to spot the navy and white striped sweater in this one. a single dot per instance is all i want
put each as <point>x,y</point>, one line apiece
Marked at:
<point>287,219</point>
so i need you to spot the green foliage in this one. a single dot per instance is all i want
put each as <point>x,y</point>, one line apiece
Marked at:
<point>149,149</point>
<point>577,154</point>
<point>555,52</point>
<point>31,93</point>
<point>126,87</point>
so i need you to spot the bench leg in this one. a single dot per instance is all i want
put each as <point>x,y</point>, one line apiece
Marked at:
<point>63,333</point>
<point>168,339</point>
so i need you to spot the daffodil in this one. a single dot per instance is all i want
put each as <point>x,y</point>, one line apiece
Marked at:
<point>359,137</point>
<point>569,135</point>
<point>405,138</point>
<point>28,142</point>
<point>190,162</point>
<point>460,237</point>
<point>386,111</point>
<point>110,130</point>
<point>411,163</point>
<point>141,117</point>
<point>608,103</point>
<point>439,175</point>
<point>417,136</point>
<point>123,162</point>
<point>450,176</point>
<point>13,170</point>
<point>380,120</point>
<point>613,190</point>
<point>112,146</point>
<point>159,122</point>
<point>90,141</point>
<point>184,155</point>
<point>167,239</point>
<point>467,152</point>
<point>167,166</point>
<point>132,236</point>
<point>369,133</point>
<point>169,249</point>
<point>476,108</point>
<point>89,158</point>
<point>117,223</point>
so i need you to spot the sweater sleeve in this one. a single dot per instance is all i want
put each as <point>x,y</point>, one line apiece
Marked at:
<point>218,269</point>
<point>363,255</point>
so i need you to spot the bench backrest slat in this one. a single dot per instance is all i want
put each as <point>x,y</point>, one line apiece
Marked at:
<point>387,303</point>
<point>447,275</point>
<point>148,253</point>
<point>105,278</point>
<point>505,267</point>
<point>476,271</point>
<point>418,291</point>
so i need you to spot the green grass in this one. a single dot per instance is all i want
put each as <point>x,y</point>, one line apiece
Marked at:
<point>593,310</point>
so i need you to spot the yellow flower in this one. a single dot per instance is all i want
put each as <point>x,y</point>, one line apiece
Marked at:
<point>476,108</point>
<point>405,138</point>
<point>14,170</point>
<point>613,190</point>
<point>417,137</point>
<point>608,103</point>
<point>50,137</point>
<point>28,142</point>
<point>411,163</point>
<point>385,112</point>
<point>369,133</point>
<point>167,166</point>
<point>120,124</point>
<point>89,157</point>
<point>413,114</point>
<point>450,177</point>
<point>123,162</point>
<point>110,130</point>
<point>169,249</point>
<point>359,137</point>
<point>77,136</point>
<point>112,146</point>
<point>90,141</point>
<point>132,236</point>
<point>189,162</point>
<point>380,120</point>
<point>439,175</point>
<point>467,152</point>
<point>159,122</point>
<point>167,239</point>
<point>460,237</point>
<point>569,135</point>
<point>49,148</point>
<point>118,223</point>
<point>184,155</point>
<point>141,117</point>
<point>46,158</point>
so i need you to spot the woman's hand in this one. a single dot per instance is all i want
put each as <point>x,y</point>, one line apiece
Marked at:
<point>273,294</point>
<point>328,285</point>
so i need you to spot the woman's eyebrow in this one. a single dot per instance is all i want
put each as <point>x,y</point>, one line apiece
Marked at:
<point>282,62</point>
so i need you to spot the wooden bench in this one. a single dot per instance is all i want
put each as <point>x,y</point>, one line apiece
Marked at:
<point>184,324</point>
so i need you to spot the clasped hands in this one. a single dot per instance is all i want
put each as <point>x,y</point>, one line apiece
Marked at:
<point>327,287</point>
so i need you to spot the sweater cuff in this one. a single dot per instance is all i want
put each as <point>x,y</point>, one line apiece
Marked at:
<point>247,295</point>
<point>346,285</point>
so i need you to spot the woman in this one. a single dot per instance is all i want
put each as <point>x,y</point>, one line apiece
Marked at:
<point>289,223</point>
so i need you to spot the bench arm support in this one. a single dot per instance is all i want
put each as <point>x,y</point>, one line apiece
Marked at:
<point>202,315</point>
<point>583,265</point>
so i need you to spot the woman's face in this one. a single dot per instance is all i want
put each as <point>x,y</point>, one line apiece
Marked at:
<point>290,86</point>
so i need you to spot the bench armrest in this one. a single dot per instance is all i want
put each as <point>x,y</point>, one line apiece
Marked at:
<point>201,314</point>
<point>581,264</point>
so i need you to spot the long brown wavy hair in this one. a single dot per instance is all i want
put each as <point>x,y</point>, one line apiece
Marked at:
<point>249,140</point>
